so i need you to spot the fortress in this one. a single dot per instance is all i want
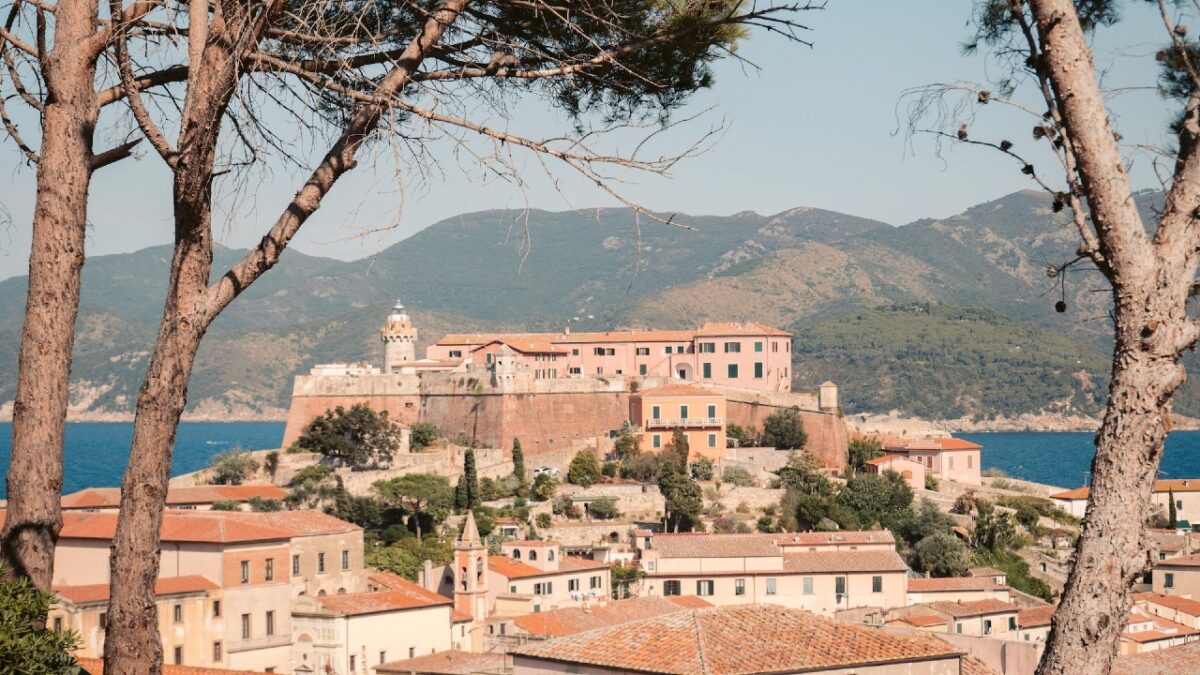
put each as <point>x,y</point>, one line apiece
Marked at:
<point>557,390</point>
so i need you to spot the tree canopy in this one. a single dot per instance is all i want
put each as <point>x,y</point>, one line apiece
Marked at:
<point>359,436</point>
<point>418,494</point>
<point>584,469</point>
<point>784,430</point>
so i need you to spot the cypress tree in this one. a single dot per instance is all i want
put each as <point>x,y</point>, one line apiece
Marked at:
<point>1172,514</point>
<point>518,459</point>
<point>460,493</point>
<point>471,479</point>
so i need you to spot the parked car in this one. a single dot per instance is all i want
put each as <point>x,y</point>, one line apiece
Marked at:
<point>548,470</point>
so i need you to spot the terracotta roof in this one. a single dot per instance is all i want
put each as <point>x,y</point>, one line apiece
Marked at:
<point>91,498</point>
<point>1184,605</point>
<point>1072,495</point>
<point>542,543</point>
<point>525,345</point>
<point>972,665</point>
<point>819,562</point>
<point>700,545</point>
<point>738,640</point>
<point>1160,486</point>
<point>951,584</point>
<point>690,601</point>
<point>515,569</point>
<point>970,608</point>
<point>398,596</point>
<point>844,537</point>
<point>986,572</point>
<point>713,329</point>
<point>957,444</point>
<point>164,586</point>
<point>460,617</point>
<point>678,390</point>
<point>1181,561</point>
<point>451,662</point>
<point>888,459</point>
<point>1173,661</point>
<point>924,620</point>
<point>1034,617</point>
<point>96,667</point>
<point>572,620</point>
<point>220,527</point>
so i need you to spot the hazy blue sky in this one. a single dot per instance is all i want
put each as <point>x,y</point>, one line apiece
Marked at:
<point>815,127</point>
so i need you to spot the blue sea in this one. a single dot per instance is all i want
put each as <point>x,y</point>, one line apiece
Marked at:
<point>97,452</point>
<point>1065,458</point>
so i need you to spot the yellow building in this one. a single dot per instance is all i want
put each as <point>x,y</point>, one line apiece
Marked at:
<point>699,413</point>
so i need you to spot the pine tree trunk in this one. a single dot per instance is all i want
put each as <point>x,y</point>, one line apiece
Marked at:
<point>35,476</point>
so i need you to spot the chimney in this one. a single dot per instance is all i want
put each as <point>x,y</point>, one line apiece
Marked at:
<point>427,576</point>
<point>567,330</point>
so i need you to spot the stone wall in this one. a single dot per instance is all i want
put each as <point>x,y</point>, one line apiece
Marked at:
<point>827,438</point>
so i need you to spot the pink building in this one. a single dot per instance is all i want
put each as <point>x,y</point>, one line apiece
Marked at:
<point>952,459</point>
<point>912,471</point>
<point>698,413</point>
<point>744,355</point>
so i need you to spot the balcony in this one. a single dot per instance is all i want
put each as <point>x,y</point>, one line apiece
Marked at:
<point>688,423</point>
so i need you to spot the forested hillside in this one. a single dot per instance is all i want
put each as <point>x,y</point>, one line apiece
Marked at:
<point>845,285</point>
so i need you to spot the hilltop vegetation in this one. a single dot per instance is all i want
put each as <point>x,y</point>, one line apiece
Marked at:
<point>940,362</point>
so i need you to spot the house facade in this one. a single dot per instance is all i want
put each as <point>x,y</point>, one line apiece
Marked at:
<point>1184,491</point>
<point>817,573</point>
<point>947,458</point>
<point>744,355</point>
<point>697,412</point>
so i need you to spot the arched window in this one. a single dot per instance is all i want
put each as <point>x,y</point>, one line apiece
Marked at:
<point>479,569</point>
<point>464,578</point>
<point>321,593</point>
<point>532,554</point>
<point>341,591</point>
<point>516,554</point>
<point>550,555</point>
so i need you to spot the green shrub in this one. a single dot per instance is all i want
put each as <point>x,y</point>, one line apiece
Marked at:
<point>736,475</point>
<point>931,482</point>
<point>233,467</point>
<point>26,644</point>
<point>261,505</point>
<point>610,469</point>
<point>227,505</point>
<point>584,469</point>
<point>604,508</point>
<point>783,430</point>
<point>702,469</point>
<point>544,520</point>
<point>422,435</point>
<point>358,437</point>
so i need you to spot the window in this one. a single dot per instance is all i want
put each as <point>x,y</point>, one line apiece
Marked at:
<point>758,346</point>
<point>876,584</point>
<point>598,351</point>
<point>970,462</point>
<point>296,565</point>
<point>655,412</point>
<point>575,351</point>
<point>671,587</point>
<point>550,554</point>
<point>352,663</point>
<point>177,614</point>
<point>668,349</point>
<point>596,582</point>
<point>456,353</point>
<point>656,441</point>
<point>958,628</point>
<point>739,586</point>
<point>216,651</point>
<point>245,626</point>
<point>1162,555</point>
<point>775,346</point>
<point>950,463</point>
<point>345,560</point>
<point>1168,580</point>
<point>731,371</point>
<point>532,554</point>
<point>733,347</point>
<point>839,586</point>
<point>712,440</point>
<point>683,412</point>
<point>516,554</point>
<point>575,370</point>
<point>179,656</point>
<point>1178,504</point>
<point>987,626</point>
<point>707,348</point>
<point>321,563</point>
<point>216,609</point>
<point>512,589</point>
<point>270,571</point>
<point>58,624</point>
<point>245,571</point>
<point>103,620</point>
<point>1012,623</point>
<point>706,371</point>
<point>808,585</point>
<point>758,370</point>
<point>572,584</point>
<point>770,587</point>
<point>641,369</point>
<point>704,587</point>
<point>712,412</point>
<point>643,351</point>
<point>383,655</point>
<point>549,587</point>
<point>270,623</point>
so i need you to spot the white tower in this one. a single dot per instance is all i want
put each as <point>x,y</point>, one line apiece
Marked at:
<point>399,339</point>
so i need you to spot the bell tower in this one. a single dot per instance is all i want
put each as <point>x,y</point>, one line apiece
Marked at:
<point>399,339</point>
<point>470,573</point>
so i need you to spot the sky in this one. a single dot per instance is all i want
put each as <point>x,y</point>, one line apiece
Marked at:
<point>813,126</point>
